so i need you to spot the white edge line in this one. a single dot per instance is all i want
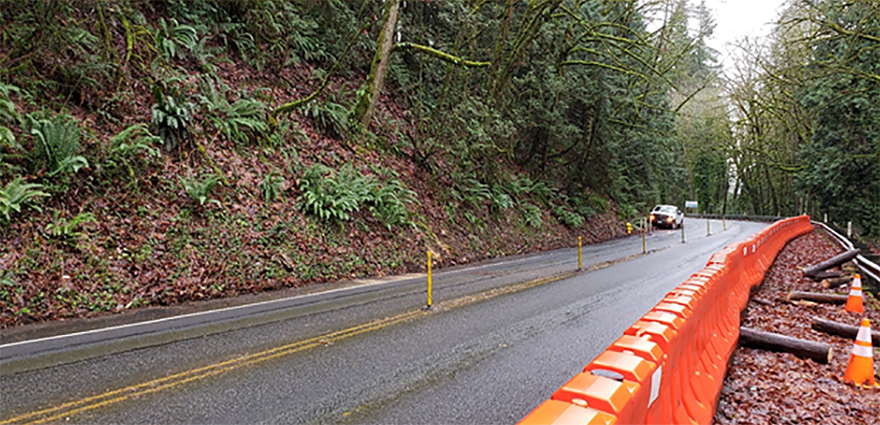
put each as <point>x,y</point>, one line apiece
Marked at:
<point>227,309</point>
<point>201,313</point>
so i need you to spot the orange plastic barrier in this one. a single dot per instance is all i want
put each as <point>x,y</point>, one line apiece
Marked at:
<point>669,366</point>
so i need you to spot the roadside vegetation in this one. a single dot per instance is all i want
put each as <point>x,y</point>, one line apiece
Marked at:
<point>155,153</point>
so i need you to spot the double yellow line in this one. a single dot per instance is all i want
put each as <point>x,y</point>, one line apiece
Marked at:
<point>111,397</point>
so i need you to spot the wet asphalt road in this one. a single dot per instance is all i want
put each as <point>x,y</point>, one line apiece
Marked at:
<point>502,336</point>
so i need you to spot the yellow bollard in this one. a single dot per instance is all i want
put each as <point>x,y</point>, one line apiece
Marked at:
<point>429,279</point>
<point>707,228</point>
<point>682,232</point>
<point>579,252</point>
<point>644,242</point>
<point>629,228</point>
<point>723,223</point>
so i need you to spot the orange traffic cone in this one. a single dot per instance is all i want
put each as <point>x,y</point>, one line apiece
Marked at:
<point>860,369</point>
<point>854,302</point>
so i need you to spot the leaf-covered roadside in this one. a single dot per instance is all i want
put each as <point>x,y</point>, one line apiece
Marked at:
<point>764,387</point>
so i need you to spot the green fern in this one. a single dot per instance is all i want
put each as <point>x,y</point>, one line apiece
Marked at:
<point>333,195</point>
<point>8,111</point>
<point>532,215</point>
<point>271,187</point>
<point>329,118</point>
<point>243,121</point>
<point>66,230</point>
<point>171,38</point>
<point>388,202</point>
<point>17,195</point>
<point>567,217</point>
<point>172,115</point>
<point>583,207</point>
<point>8,116</point>
<point>57,144</point>
<point>472,191</point>
<point>127,147</point>
<point>200,190</point>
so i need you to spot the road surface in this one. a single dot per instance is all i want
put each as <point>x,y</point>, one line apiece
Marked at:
<point>500,338</point>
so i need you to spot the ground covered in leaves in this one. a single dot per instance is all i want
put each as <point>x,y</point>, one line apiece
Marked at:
<point>764,387</point>
<point>151,244</point>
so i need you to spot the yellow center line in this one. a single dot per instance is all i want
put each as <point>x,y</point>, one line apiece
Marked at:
<point>115,396</point>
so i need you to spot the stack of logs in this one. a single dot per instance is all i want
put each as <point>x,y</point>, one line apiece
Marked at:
<point>817,351</point>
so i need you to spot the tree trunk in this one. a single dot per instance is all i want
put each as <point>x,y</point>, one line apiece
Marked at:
<point>816,351</point>
<point>837,281</point>
<point>819,298</point>
<point>841,329</point>
<point>825,275</point>
<point>366,106</point>
<point>831,262</point>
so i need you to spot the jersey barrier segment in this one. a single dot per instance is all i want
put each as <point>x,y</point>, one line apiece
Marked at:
<point>669,366</point>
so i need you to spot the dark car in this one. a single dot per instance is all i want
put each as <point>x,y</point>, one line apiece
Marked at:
<point>668,216</point>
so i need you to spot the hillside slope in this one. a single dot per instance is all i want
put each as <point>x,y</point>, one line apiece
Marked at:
<point>298,202</point>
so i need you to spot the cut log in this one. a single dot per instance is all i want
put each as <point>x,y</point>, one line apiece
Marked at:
<point>835,282</point>
<point>819,298</point>
<point>828,274</point>
<point>831,262</point>
<point>761,301</point>
<point>816,351</point>
<point>841,329</point>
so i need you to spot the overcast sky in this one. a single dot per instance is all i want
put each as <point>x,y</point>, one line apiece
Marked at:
<point>735,19</point>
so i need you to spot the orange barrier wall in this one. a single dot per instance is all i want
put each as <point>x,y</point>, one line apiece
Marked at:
<point>669,366</point>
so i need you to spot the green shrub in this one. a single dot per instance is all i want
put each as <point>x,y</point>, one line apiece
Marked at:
<point>499,200</point>
<point>333,196</point>
<point>388,203</point>
<point>243,121</point>
<point>172,37</point>
<point>531,214</point>
<point>329,118</point>
<point>472,191</point>
<point>599,203</point>
<point>171,115</point>
<point>199,190</point>
<point>127,146</point>
<point>66,230</point>
<point>8,115</point>
<point>567,217</point>
<point>57,144</point>
<point>271,187</point>
<point>17,195</point>
<point>582,207</point>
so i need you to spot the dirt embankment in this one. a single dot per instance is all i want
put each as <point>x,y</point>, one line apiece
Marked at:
<point>764,387</point>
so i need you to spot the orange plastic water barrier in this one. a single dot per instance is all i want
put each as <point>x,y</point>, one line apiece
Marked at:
<point>669,366</point>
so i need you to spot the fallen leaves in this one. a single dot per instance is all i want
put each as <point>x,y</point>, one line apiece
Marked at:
<point>778,388</point>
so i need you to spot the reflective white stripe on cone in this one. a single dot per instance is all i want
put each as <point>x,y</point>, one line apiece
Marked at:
<point>860,369</point>
<point>854,302</point>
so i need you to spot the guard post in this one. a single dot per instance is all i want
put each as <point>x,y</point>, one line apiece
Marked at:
<point>579,253</point>
<point>429,280</point>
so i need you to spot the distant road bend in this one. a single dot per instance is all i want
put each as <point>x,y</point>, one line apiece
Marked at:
<point>501,337</point>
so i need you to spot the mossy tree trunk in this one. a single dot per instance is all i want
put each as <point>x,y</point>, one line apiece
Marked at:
<point>366,106</point>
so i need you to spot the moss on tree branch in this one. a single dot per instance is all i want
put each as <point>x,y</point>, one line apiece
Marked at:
<point>446,57</point>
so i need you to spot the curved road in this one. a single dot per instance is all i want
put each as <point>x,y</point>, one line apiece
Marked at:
<point>502,336</point>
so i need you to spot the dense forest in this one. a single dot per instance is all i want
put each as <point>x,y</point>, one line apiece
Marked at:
<point>158,152</point>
